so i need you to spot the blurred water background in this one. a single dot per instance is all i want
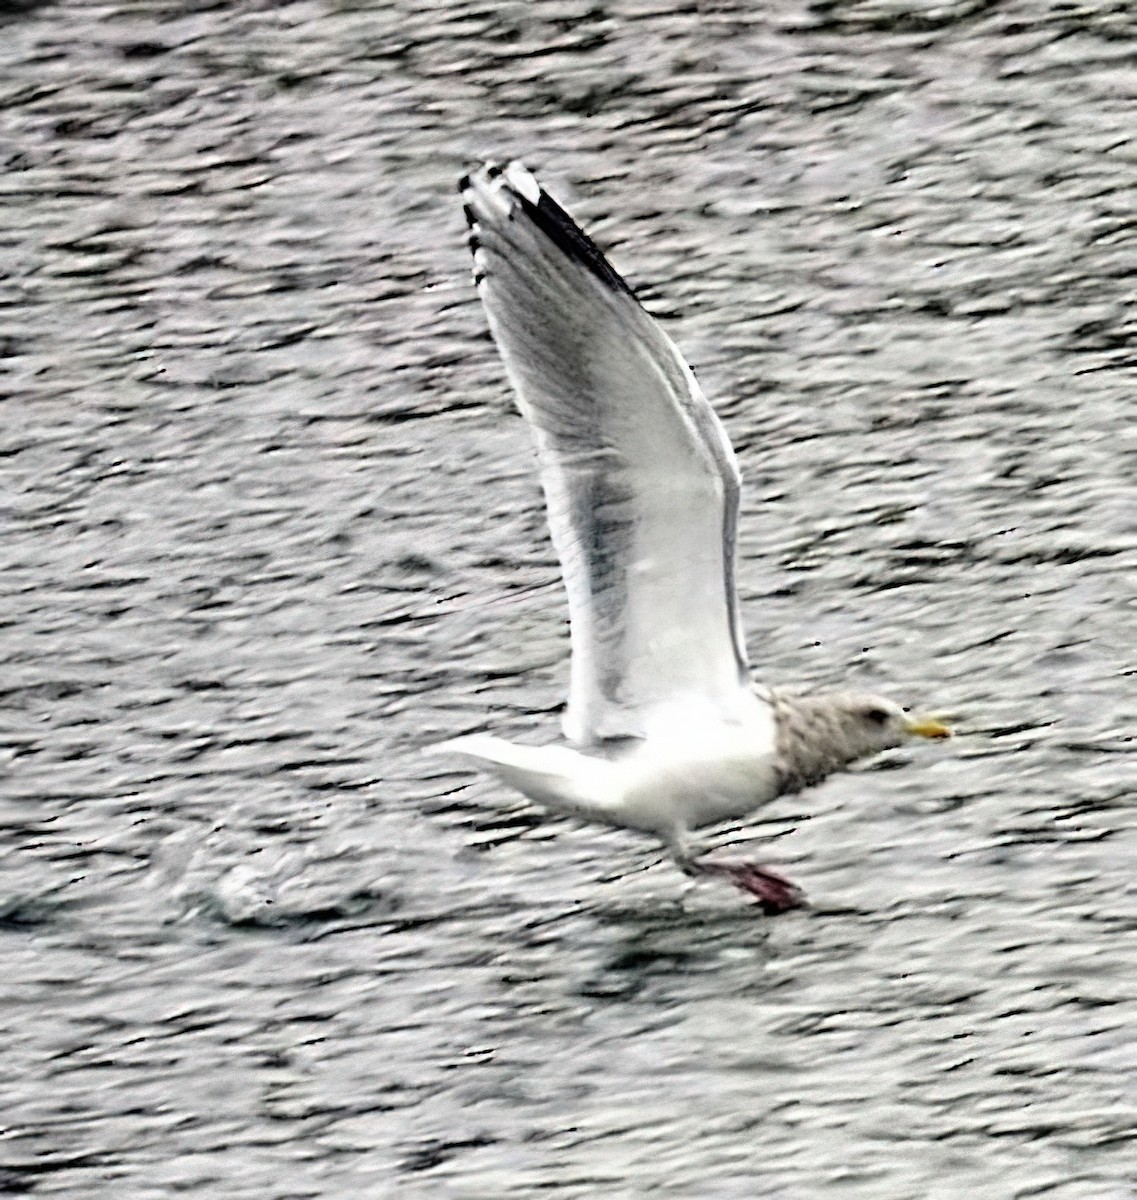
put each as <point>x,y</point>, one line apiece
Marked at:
<point>271,525</point>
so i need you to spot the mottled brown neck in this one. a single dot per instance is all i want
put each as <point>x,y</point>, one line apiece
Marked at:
<point>811,739</point>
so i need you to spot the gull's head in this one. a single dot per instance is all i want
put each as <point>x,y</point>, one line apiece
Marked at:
<point>871,724</point>
<point>817,735</point>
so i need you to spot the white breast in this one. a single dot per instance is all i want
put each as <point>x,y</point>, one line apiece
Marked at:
<point>698,778</point>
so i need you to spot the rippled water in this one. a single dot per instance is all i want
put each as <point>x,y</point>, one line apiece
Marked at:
<point>272,525</point>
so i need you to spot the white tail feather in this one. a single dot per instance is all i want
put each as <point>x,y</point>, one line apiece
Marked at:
<point>558,777</point>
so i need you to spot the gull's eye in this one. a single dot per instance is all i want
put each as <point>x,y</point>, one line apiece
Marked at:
<point>878,716</point>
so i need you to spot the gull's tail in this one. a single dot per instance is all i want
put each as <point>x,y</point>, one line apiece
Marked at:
<point>560,778</point>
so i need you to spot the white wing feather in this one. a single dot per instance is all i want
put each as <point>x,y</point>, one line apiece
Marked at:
<point>639,477</point>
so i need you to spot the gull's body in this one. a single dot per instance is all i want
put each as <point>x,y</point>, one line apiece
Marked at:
<point>666,731</point>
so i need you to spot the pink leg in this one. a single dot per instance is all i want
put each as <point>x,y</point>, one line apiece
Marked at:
<point>775,892</point>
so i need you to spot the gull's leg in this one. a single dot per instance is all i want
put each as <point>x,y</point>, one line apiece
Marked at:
<point>775,892</point>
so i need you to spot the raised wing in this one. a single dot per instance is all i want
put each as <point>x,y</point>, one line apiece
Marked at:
<point>640,480</point>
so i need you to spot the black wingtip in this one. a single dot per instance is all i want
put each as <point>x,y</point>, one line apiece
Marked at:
<point>551,219</point>
<point>560,228</point>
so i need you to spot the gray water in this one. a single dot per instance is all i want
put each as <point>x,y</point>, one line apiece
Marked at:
<point>272,525</point>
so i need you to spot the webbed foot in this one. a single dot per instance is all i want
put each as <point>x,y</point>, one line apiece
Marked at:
<point>775,892</point>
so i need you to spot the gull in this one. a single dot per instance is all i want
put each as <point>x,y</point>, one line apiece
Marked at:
<point>665,731</point>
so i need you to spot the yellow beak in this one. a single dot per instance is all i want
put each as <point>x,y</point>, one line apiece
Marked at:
<point>927,727</point>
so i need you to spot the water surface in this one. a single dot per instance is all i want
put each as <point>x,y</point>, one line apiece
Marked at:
<point>273,525</point>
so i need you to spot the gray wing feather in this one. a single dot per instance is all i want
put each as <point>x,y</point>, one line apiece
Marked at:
<point>640,479</point>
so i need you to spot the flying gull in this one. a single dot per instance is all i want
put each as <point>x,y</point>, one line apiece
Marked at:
<point>665,731</point>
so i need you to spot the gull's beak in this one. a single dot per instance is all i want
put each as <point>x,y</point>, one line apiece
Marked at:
<point>927,727</point>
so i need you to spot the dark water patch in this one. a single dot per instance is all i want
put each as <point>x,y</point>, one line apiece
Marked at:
<point>892,17</point>
<point>434,1153</point>
<point>20,911</point>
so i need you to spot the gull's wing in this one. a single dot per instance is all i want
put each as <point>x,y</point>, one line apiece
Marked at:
<point>640,480</point>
